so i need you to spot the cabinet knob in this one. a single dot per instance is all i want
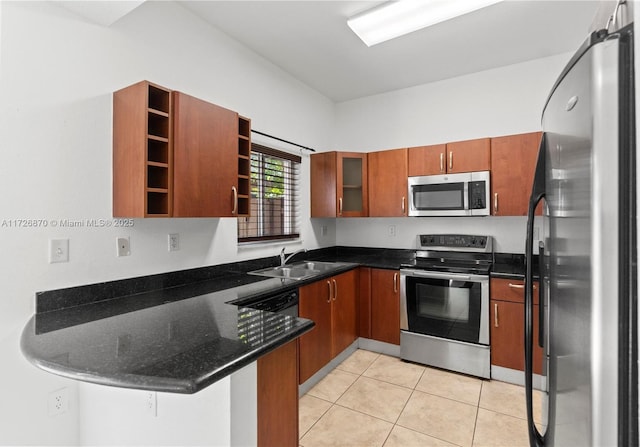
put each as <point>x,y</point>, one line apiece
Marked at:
<point>442,162</point>
<point>403,205</point>
<point>495,203</point>
<point>329,296</point>
<point>495,315</point>
<point>395,283</point>
<point>340,206</point>
<point>450,160</point>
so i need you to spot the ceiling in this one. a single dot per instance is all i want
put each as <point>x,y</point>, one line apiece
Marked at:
<point>311,41</point>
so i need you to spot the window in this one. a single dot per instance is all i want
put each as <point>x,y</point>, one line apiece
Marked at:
<point>274,196</point>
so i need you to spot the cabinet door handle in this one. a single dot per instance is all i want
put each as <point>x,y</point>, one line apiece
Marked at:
<point>340,206</point>
<point>395,283</point>
<point>441,161</point>
<point>329,284</point>
<point>495,203</point>
<point>335,290</point>
<point>235,200</point>
<point>519,286</point>
<point>403,206</point>
<point>450,160</point>
<point>495,315</point>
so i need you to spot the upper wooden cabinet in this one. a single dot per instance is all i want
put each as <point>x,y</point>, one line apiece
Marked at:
<point>469,156</point>
<point>142,151</point>
<point>205,158</point>
<point>176,155</point>
<point>513,162</point>
<point>461,156</point>
<point>388,183</point>
<point>339,184</point>
<point>427,160</point>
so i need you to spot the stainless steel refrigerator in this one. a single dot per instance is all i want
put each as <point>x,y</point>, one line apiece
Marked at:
<point>586,264</point>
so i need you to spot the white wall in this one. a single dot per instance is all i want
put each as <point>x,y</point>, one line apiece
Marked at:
<point>119,417</point>
<point>57,73</point>
<point>501,101</point>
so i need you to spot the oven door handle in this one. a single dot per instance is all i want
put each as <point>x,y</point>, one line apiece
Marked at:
<point>436,275</point>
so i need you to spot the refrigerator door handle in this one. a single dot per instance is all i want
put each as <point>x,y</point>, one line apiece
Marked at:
<point>537,194</point>
<point>540,294</point>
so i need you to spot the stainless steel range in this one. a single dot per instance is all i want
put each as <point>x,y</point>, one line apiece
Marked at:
<point>444,303</point>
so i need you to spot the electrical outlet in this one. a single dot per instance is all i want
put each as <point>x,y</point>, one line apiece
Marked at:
<point>174,242</point>
<point>536,233</point>
<point>58,402</point>
<point>323,230</point>
<point>123,246</point>
<point>391,231</point>
<point>58,250</point>
<point>151,403</point>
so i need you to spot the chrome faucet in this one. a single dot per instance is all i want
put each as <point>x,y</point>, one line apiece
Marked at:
<point>283,259</point>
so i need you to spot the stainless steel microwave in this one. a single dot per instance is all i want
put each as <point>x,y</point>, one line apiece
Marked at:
<point>465,194</point>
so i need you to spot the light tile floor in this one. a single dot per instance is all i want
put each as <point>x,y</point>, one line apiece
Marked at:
<point>372,399</point>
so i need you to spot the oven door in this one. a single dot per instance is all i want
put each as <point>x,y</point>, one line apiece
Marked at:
<point>445,305</point>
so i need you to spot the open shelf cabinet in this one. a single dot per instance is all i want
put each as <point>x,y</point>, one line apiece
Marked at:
<point>244,166</point>
<point>142,151</point>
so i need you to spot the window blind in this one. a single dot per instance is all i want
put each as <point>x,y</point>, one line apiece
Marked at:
<point>274,201</point>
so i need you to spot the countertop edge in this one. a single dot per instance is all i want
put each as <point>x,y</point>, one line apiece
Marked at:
<point>160,384</point>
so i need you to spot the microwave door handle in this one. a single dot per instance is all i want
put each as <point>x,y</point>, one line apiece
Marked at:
<point>465,193</point>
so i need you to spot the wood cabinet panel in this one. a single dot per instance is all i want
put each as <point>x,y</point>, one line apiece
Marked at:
<point>343,313</point>
<point>324,184</point>
<point>205,158</point>
<point>469,156</point>
<point>511,290</point>
<point>278,397</point>
<point>339,184</point>
<point>331,303</point>
<point>507,336</point>
<point>507,325</point>
<point>315,345</point>
<point>385,306</point>
<point>513,162</point>
<point>364,302</point>
<point>142,151</point>
<point>427,160</point>
<point>388,183</point>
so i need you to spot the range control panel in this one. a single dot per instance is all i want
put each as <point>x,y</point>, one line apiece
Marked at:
<point>462,242</point>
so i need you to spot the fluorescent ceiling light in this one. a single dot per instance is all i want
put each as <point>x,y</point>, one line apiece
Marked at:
<point>397,18</point>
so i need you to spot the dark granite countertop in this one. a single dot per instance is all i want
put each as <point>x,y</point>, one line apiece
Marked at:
<point>179,331</point>
<point>512,266</point>
<point>174,332</point>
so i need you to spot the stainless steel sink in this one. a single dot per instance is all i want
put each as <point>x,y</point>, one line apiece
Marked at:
<point>299,270</point>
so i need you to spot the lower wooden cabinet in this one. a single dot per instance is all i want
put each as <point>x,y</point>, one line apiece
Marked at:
<point>385,305</point>
<point>507,325</point>
<point>278,397</point>
<point>364,302</point>
<point>331,304</point>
